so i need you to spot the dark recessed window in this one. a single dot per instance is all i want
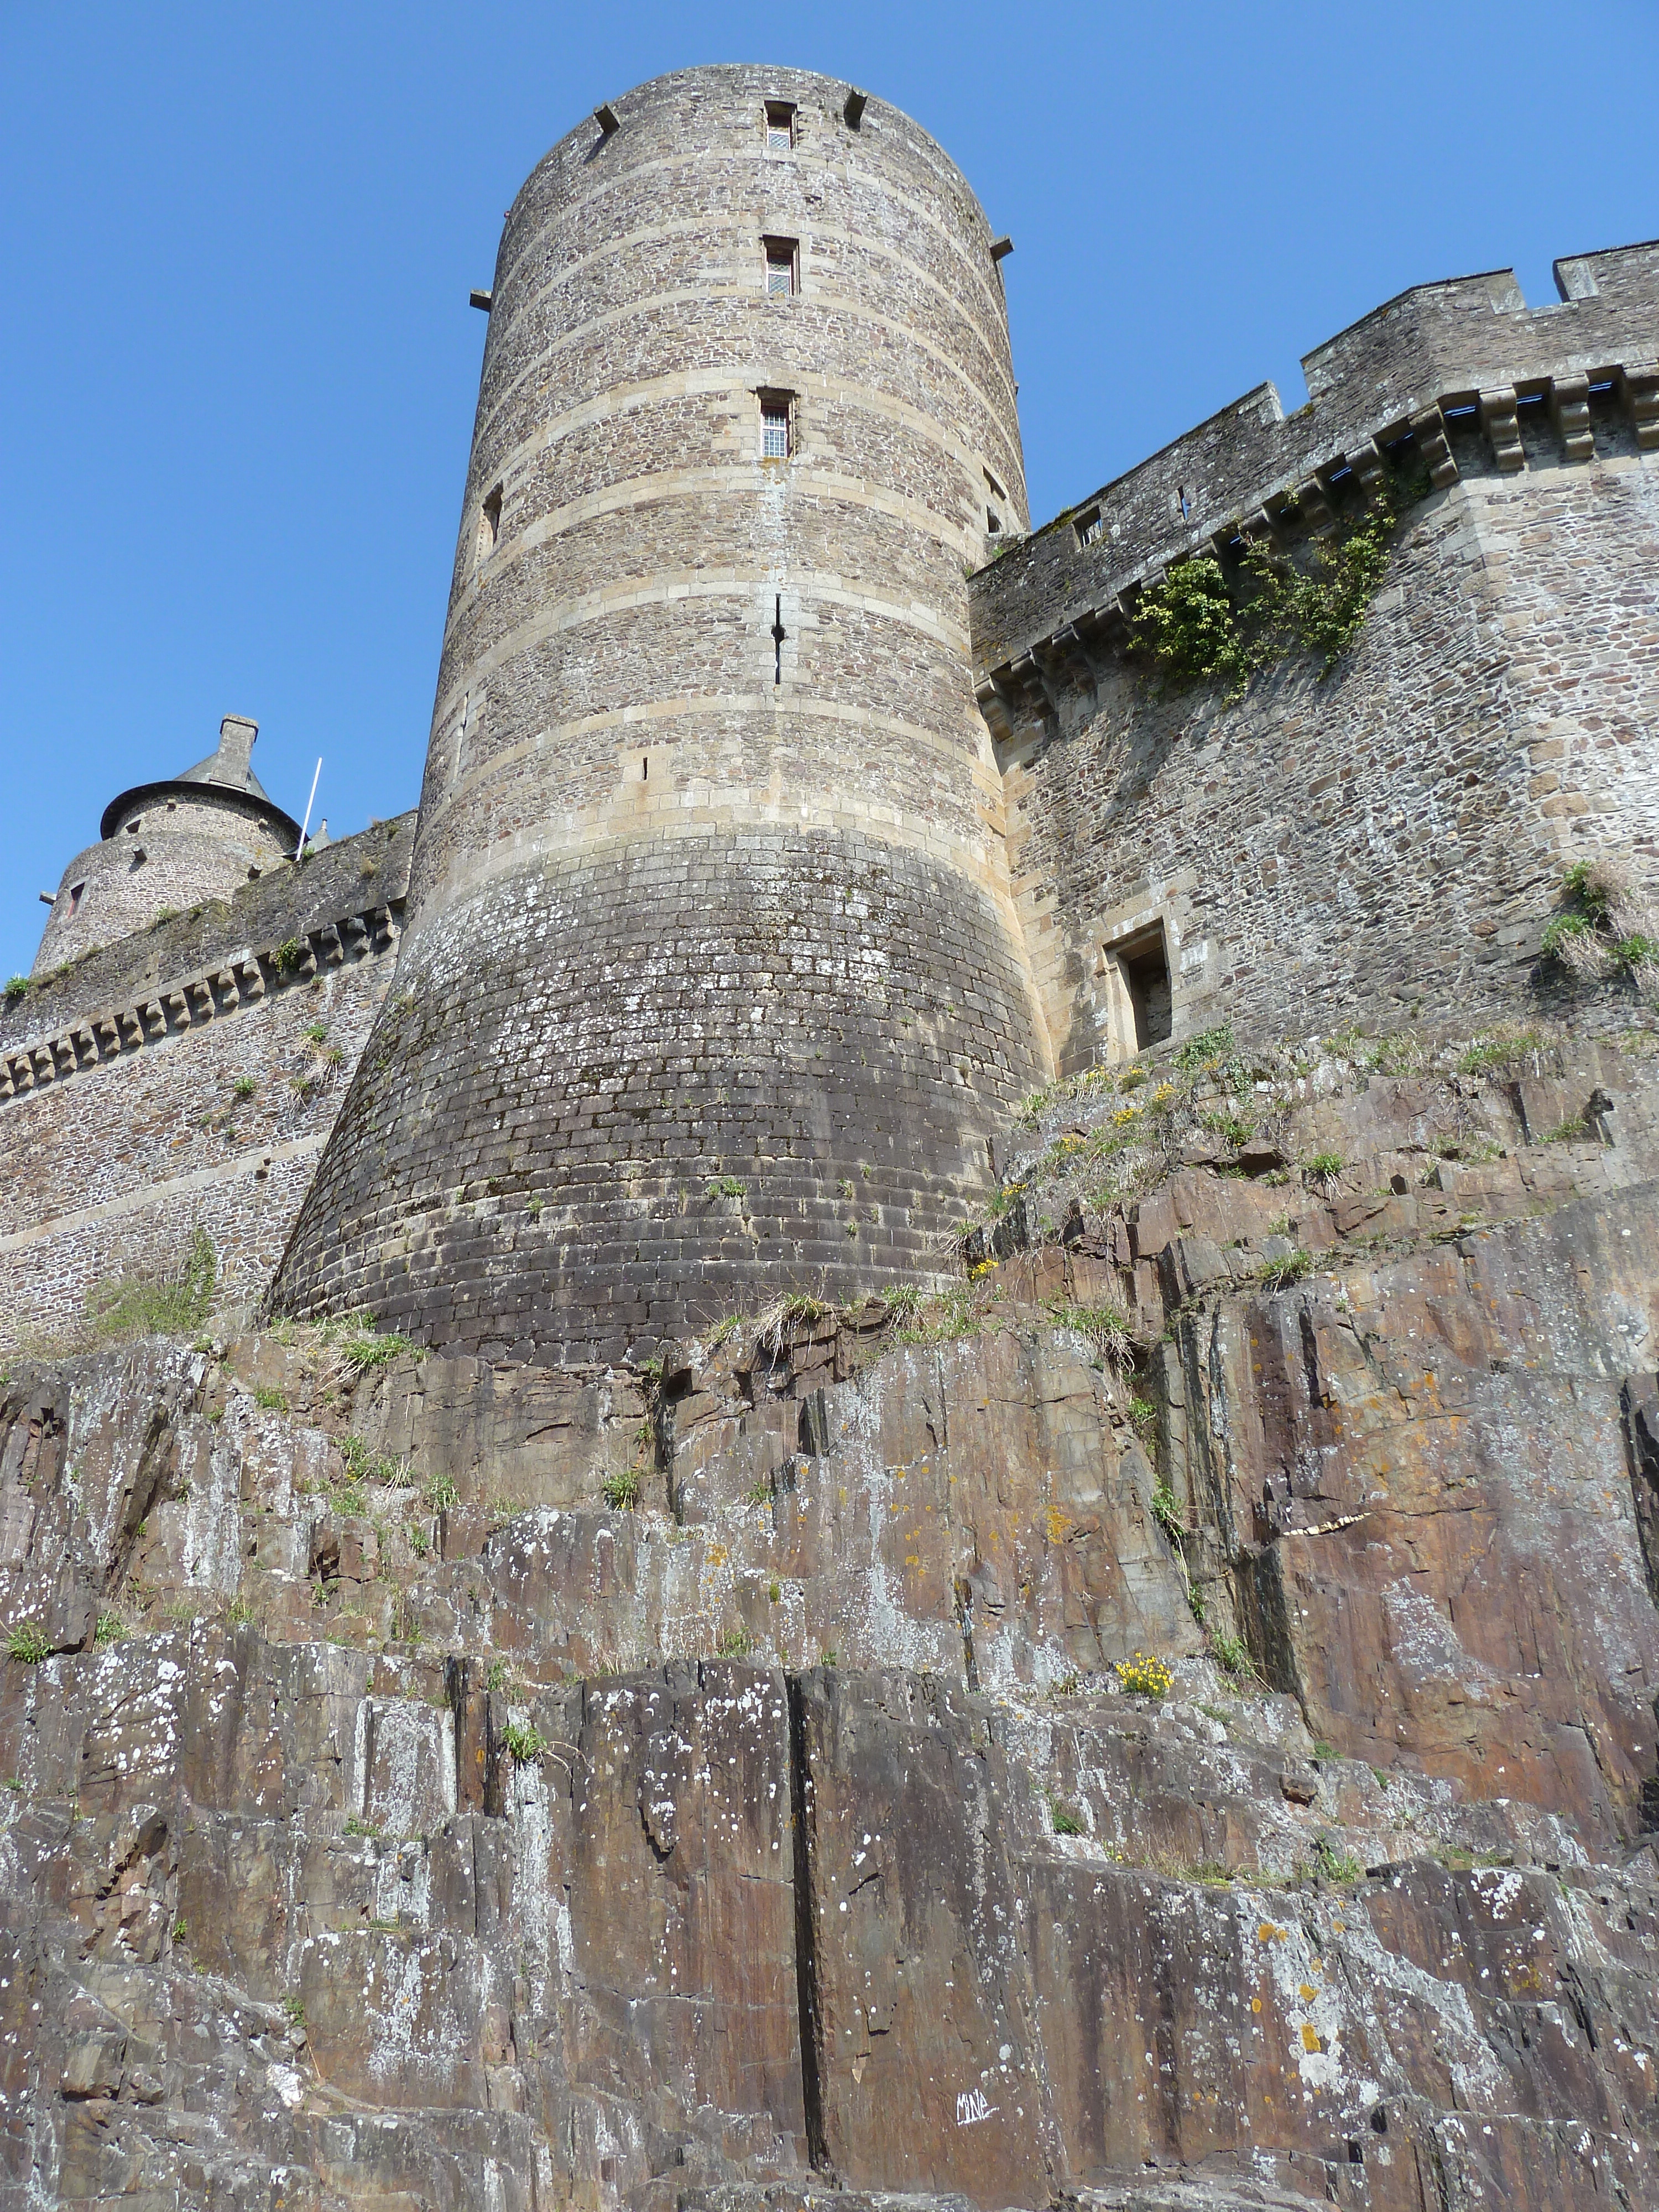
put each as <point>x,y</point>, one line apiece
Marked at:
<point>775,426</point>
<point>993,523</point>
<point>1145,965</point>
<point>75,890</point>
<point>780,260</point>
<point>490,523</point>
<point>779,126</point>
<point>1090,527</point>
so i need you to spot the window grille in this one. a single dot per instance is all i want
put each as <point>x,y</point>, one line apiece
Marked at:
<point>779,267</point>
<point>774,429</point>
<point>779,126</point>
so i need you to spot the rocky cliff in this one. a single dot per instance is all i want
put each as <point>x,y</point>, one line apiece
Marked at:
<point>1169,1724</point>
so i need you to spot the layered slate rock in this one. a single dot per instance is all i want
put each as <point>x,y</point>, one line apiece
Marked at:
<point>487,1785</point>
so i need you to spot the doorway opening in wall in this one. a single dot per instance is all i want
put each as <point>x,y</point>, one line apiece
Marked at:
<point>1143,965</point>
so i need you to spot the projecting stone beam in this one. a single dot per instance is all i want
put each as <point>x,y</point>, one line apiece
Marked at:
<point>1497,420</point>
<point>1570,412</point>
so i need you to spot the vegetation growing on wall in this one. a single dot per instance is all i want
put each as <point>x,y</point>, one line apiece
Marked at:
<point>138,1306</point>
<point>1197,630</point>
<point>1606,927</point>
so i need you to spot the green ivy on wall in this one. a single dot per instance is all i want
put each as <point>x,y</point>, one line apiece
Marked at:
<point>1196,631</point>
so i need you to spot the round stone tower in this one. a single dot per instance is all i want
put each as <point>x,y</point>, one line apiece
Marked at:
<point>166,846</point>
<point>710,983</point>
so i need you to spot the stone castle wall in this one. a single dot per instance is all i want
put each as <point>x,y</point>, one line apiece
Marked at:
<point>121,1126</point>
<point>727,910</point>
<point>1388,842</point>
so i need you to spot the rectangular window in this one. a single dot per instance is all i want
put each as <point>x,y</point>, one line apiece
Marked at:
<point>1090,527</point>
<point>779,267</point>
<point>1139,1011</point>
<point>779,126</point>
<point>775,427</point>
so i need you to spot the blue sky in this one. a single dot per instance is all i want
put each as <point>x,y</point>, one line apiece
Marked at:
<point>238,368</point>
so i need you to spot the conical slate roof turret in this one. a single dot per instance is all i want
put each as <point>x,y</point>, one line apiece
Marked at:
<point>171,844</point>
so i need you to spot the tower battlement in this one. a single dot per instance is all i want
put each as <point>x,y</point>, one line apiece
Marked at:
<point>1397,384</point>
<point>1385,838</point>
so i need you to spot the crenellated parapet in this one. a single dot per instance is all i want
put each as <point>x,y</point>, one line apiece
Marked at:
<point>184,1077</point>
<point>1401,387</point>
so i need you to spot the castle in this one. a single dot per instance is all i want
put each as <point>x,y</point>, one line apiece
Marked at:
<point>888,1421</point>
<point>790,813</point>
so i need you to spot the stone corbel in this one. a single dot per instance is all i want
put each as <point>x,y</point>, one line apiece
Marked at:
<point>354,935</point>
<point>326,945</point>
<point>43,1063</point>
<point>250,979</point>
<point>107,1030</point>
<point>1260,534</point>
<point>1066,662</point>
<point>1497,420</point>
<point>381,928</point>
<point>200,995</point>
<point>1023,693</point>
<point>152,1017</point>
<point>1638,390</point>
<point>994,707</point>
<point>1370,470</point>
<point>1428,426</point>
<point>83,1043</point>
<point>1570,412</point>
<point>130,1024</point>
<point>177,1007</point>
<point>1313,505</point>
<point>1027,672</point>
<point>1109,623</point>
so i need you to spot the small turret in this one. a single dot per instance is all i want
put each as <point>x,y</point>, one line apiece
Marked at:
<point>167,846</point>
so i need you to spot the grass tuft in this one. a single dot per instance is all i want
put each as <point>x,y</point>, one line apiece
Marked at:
<point>28,1644</point>
<point>174,1306</point>
<point>621,1490</point>
<point>526,1746</point>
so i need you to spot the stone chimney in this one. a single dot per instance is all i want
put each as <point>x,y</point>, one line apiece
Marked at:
<point>231,764</point>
